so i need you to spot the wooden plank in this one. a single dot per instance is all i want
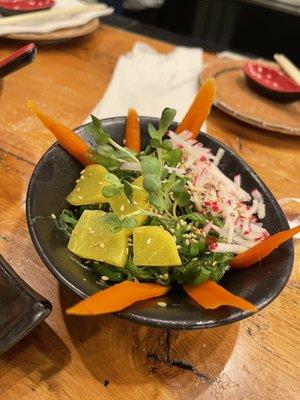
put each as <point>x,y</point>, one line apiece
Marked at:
<point>109,358</point>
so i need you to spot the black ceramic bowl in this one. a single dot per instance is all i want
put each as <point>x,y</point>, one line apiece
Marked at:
<point>54,177</point>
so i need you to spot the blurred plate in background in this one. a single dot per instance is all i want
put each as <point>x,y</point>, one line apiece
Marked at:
<point>236,98</point>
<point>58,35</point>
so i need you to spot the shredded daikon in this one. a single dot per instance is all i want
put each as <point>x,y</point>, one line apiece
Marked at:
<point>215,193</point>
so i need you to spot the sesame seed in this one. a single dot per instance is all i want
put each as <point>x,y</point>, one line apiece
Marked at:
<point>207,252</point>
<point>172,230</point>
<point>75,232</point>
<point>214,263</point>
<point>82,172</point>
<point>122,208</point>
<point>194,240</point>
<point>53,216</point>
<point>161,276</point>
<point>100,183</point>
<point>174,237</point>
<point>84,279</point>
<point>78,189</point>
<point>82,177</point>
<point>187,242</point>
<point>105,278</point>
<point>161,304</point>
<point>148,241</point>
<point>102,245</point>
<point>166,276</point>
<point>91,231</point>
<point>77,180</point>
<point>135,202</point>
<point>178,246</point>
<point>80,197</point>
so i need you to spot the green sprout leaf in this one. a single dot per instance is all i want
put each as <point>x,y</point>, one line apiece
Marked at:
<point>128,191</point>
<point>111,191</point>
<point>151,165</point>
<point>113,180</point>
<point>152,131</point>
<point>166,119</point>
<point>156,201</point>
<point>152,183</point>
<point>183,198</point>
<point>129,223</point>
<point>173,157</point>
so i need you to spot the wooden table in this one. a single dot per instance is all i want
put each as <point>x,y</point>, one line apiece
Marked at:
<point>107,357</point>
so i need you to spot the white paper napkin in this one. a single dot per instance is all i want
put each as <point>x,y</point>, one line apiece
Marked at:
<point>150,81</point>
<point>56,22</point>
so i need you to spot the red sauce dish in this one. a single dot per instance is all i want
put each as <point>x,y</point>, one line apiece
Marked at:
<point>271,82</point>
<point>14,7</point>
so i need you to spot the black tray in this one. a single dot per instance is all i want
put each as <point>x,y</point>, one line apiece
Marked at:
<point>21,308</point>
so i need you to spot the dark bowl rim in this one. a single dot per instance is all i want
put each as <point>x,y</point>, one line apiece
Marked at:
<point>129,315</point>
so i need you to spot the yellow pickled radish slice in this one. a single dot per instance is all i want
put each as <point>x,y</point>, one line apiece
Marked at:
<point>88,189</point>
<point>92,239</point>
<point>154,246</point>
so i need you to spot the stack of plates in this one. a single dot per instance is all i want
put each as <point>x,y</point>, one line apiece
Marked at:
<point>32,20</point>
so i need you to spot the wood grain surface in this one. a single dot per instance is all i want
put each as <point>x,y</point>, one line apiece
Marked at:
<point>107,357</point>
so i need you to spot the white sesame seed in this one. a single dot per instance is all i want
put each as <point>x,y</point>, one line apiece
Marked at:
<point>161,276</point>
<point>122,208</point>
<point>82,177</point>
<point>75,232</point>
<point>187,242</point>
<point>148,241</point>
<point>82,172</point>
<point>172,230</point>
<point>91,231</point>
<point>161,304</point>
<point>77,180</point>
<point>135,202</point>
<point>166,276</point>
<point>53,216</point>
<point>80,197</point>
<point>105,278</point>
<point>178,246</point>
<point>214,263</point>
<point>78,189</point>
<point>102,245</point>
<point>207,252</point>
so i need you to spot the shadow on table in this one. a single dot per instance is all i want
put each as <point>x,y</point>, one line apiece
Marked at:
<point>41,352</point>
<point>124,353</point>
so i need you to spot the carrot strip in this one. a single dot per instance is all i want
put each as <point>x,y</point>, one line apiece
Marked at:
<point>211,295</point>
<point>262,249</point>
<point>117,297</point>
<point>199,109</point>
<point>72,143</point>
<point>132,131</point>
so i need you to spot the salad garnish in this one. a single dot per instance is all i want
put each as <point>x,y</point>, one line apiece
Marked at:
<point>167,214</point>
